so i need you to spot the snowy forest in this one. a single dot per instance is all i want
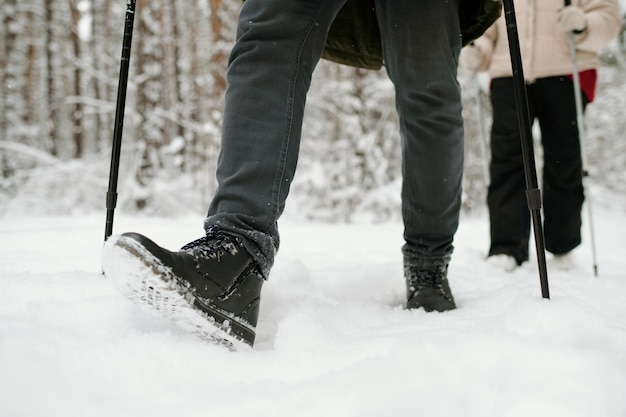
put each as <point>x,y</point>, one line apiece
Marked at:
<point>59,68</point>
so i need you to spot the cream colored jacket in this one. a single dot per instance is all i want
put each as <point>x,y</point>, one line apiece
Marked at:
<point>544,48</point>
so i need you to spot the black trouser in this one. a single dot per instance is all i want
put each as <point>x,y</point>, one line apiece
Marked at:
<point>551,101</point>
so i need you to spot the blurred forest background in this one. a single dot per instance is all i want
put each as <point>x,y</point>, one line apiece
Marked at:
<point>59,69</point>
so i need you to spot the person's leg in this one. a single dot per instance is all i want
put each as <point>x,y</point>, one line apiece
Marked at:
<point>421,44</point>
<point>212,286</point>
<point>278,46</point>
<point>506,198</point>
<point>563,193</point>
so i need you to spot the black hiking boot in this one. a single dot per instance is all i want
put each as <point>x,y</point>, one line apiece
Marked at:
<point>428,289</point>
<point>210,287</point>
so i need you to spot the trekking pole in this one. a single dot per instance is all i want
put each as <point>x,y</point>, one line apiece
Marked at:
<point>533,194</point>
<point>111,199</point>
<point>582,133</point>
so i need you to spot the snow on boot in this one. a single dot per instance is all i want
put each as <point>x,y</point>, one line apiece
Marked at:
<point>503,261</point>
<point>211,287</point>
<point>428,289</point>
<point>563,261</point>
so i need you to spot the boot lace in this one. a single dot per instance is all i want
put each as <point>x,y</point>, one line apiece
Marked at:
<point>425,278</point>
<point>214,244</point>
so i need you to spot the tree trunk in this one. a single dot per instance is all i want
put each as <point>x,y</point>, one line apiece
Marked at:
<point>77,110</point>
<point>51,49</point>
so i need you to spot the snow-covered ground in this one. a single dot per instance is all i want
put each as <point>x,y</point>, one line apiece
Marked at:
<point>333,338</point>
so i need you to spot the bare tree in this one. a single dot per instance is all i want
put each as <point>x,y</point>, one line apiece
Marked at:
<point>149,57</point>
<point>52,49</point>
<point>77,87</point>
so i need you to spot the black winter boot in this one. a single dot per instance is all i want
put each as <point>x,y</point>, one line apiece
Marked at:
<point>210,287</point>
<point>428,289</point>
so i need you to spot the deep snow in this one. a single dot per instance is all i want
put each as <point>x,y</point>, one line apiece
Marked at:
<point>333,338</point>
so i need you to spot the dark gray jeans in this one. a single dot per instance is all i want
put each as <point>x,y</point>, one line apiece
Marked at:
<point>279,43</point>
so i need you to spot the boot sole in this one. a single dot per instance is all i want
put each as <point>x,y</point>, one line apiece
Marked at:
<point>143,279</point>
